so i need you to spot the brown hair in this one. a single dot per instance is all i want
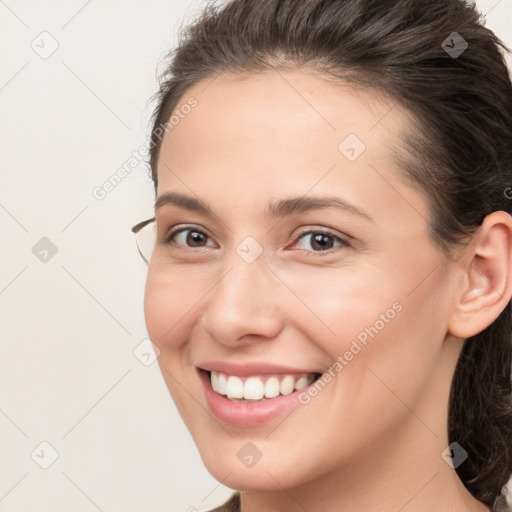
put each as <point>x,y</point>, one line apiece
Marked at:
<point>460,153</point>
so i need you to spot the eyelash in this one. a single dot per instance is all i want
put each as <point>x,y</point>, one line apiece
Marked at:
<point>343,242</point>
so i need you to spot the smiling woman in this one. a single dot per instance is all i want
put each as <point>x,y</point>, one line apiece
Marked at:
<point>330,272</point>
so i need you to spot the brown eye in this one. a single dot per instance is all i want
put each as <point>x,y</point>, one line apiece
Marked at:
<point>192,237</point>
<point>322,242</point>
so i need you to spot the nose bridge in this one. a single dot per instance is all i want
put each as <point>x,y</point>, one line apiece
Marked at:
<point>241,302</point>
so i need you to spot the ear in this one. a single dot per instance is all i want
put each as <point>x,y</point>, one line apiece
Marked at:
<point>486,285</point>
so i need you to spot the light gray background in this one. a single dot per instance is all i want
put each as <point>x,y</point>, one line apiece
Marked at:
<point>69,326</point>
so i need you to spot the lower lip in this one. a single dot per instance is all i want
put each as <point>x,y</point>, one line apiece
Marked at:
<point>251,413</point>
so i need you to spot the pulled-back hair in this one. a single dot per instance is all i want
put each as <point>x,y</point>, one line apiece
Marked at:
<point>459,153</point>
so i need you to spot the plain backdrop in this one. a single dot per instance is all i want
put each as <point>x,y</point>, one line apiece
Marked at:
<point>86,422</point>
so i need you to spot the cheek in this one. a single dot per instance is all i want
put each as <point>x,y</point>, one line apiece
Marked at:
<point>169,321</point>
<point>337,305</point>
<point>167,308</point>
<point>370,329</point>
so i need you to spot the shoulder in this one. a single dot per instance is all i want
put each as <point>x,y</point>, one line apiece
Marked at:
<point>232,505</point>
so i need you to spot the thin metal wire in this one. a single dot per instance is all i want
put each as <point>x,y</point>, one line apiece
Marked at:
<point>136,230</point>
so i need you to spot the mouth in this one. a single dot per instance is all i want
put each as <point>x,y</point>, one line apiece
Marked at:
<point>257,388</point>
<point>251,395</point>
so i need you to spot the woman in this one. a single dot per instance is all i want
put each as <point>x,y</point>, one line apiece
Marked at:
<point>330,286</point>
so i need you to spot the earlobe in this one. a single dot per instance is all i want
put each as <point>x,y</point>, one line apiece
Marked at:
<point>487,283</point>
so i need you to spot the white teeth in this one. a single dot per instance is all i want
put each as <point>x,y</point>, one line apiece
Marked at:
<point>215,380</point>
<point>222,383</point>
<point>272,387</point>
<point>287,385</point>
<point>302,383</point>
<point>235,387</point>
<point>256,388</point>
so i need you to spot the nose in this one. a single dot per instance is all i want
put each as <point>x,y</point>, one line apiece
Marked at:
<point>245,302</point>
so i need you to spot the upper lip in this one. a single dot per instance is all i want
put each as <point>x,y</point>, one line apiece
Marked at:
<point>246,369</point>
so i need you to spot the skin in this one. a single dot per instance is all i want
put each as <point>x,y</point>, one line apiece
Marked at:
<point>372,438</point>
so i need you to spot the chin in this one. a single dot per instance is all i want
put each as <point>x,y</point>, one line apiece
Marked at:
<point>268,475</point>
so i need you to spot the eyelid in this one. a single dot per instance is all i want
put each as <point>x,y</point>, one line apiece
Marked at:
<point>176,230</point>
<point>343,240</point>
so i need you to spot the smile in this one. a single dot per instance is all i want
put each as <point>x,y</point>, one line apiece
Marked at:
<point>242,401</point>
<point>257,388</point>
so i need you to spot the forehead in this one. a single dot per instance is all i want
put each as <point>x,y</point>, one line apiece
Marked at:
<point>282,131</point>
<point>280,110</point>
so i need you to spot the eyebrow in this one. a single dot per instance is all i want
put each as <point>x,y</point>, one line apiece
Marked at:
<point>281,208</point>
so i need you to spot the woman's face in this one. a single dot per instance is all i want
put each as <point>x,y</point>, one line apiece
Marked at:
<point>363,298</point>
